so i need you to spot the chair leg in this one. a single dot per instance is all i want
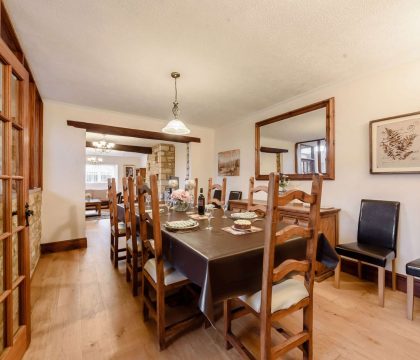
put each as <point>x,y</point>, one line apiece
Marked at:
<point>381,286</point>
<point>337,273</point>
<point>127,264</point>
<point>228,322</point>
<point>144,290</point>
<point>359,269</point>
<point>394,276</point>
<point>160,308</point>
<point>135,275</point>
<point>307,347</point>
<point>116,253</point>
<point>410,296</point>
<point>111,248</point>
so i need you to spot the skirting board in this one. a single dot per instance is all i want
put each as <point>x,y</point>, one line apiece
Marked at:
<point>64,245</point>
<point>370,273</point>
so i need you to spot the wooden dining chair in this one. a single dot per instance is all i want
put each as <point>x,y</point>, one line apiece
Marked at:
<point>133,246</point>
<point>281,295</point>
<point>211,199</point>
<point>159,277</point>
<point>195,192</point>
<point>117,228</point>
<point>260,209</point>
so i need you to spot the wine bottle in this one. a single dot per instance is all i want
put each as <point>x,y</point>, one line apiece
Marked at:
<point>201,202</point>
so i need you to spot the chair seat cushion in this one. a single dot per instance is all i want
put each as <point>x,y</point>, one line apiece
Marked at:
<point>130,244</point>
<point>171,275</point>
<point>413,268</point>
<point>371,254</point>
<point>121,228</point>
<point>285,295</point>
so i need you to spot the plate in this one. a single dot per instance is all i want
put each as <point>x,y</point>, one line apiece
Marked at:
<point>181,225</point>
<point>249,215</point>
<point>241,230</point>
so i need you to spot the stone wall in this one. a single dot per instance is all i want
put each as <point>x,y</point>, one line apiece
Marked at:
<point>161,162</point>
<point>35,228</point>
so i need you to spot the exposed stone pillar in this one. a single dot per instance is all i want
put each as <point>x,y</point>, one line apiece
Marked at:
<point>161,162</point>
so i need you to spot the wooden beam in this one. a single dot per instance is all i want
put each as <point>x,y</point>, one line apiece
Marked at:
<point>271,150</point>
<point>128,148</point>
<point>120,131</point>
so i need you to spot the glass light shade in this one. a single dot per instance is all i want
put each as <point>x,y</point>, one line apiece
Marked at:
<point>190,184</point>
<point>176,127</point>
<point>173,183</point>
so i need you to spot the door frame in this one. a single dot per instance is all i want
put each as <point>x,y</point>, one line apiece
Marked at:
<point>15,345</point>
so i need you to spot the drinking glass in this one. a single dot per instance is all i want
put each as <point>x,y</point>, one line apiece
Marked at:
<point>209,216</point>
<point>168,202</point>
<point>225,207</point>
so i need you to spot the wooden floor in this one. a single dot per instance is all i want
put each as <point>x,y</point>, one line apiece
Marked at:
<point>83,309</point>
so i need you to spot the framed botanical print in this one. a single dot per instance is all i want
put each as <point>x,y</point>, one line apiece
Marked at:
<point>395,144</point>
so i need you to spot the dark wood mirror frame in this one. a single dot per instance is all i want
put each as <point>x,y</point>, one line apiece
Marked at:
<point>330,139</point>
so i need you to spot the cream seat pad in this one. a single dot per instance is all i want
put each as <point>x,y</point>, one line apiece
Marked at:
<point>285,294</point>
<point>171,274</point>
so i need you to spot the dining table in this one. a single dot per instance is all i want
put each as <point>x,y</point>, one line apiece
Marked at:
<point>222,264</point>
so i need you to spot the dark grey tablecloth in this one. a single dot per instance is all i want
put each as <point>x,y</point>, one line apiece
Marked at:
<point>226,265</point>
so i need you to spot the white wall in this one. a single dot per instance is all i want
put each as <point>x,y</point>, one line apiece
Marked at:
<point>392,92</point>
<point>64,163</point>
<point>139,161</point>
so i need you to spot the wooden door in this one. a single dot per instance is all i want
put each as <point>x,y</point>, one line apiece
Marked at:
<point>14,252</point>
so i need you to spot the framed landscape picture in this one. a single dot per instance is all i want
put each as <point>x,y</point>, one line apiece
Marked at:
<point>395,144</point>
<point>228,163</point>
<point>129,170</point>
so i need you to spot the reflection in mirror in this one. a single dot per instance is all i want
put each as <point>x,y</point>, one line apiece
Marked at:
<point>288,146</point>
<point>311,157</point>
<point>297,143</point>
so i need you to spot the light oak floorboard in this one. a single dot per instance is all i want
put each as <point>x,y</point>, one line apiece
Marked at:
<point>82,308</point>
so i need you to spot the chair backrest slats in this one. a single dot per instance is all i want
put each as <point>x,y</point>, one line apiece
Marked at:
<point>288,266</point>
<point>213,200</point>
<point>195,192</point>
<point>129,195</point>
<point>292,231</point>
<point>253,190</point>
<point>296,195</point>
<point>273,237</point>
<point>112,199</point>
<point>142,190</point>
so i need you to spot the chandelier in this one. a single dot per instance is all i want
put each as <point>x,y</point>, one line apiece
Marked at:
<point>176,126</point>
<point>94,159</point>
<point>103,146</point>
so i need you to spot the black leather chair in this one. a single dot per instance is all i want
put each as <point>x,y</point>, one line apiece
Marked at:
<point>376,241</point>
<point>234,195</point>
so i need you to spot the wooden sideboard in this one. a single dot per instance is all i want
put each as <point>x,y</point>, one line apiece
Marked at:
<point>295,214</point>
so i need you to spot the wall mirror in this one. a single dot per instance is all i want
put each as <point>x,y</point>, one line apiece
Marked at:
<point>298,143</point>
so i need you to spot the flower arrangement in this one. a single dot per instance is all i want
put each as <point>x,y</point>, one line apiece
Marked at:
<point>181,199</point>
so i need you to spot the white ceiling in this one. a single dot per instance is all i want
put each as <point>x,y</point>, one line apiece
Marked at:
<point>235,57</point>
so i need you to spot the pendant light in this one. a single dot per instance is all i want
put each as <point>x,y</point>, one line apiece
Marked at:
<point>176,126</point>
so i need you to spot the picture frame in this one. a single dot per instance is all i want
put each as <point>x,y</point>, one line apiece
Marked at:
<point>394,144</point>
<point>129,170</point>
<point>229,163</point>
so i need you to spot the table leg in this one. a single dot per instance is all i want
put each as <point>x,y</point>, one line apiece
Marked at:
<point>99,209</point>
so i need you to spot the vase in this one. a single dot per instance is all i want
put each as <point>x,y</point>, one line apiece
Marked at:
<point>181,206</point>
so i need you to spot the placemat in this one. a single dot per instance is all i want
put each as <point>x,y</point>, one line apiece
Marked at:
<point>231,230</point>
<point>198,217</point>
